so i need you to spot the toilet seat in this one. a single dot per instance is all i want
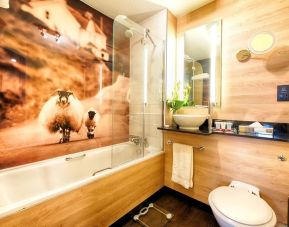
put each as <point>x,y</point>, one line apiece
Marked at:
<point>241,206</point>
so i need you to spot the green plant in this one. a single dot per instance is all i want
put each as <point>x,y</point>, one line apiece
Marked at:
<point>187,91</point>
<point>175,103</point>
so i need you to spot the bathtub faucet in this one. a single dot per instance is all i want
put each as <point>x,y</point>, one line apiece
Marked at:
<point>137,140</point>
<point>145,142</point>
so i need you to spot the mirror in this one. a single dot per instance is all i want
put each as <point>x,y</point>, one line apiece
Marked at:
<point>202,63</point>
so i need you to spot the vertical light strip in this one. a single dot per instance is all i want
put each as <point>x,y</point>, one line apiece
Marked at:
<point>213,64</point>
<point>171,66</point>
<point>100,84</point>
<point>145,74</point>
<point>180,64</point>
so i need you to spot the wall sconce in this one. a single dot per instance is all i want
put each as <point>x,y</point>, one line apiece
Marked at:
<point>258,44</point>
<point>4,4</point>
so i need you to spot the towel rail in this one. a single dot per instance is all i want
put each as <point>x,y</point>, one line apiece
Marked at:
<point>76,157</point>
<point>201,148</point>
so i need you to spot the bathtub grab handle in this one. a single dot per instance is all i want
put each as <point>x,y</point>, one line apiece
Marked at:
<point>76,157</point>
<point>100,171</point>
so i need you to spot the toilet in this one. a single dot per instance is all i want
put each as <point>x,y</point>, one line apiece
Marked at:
<point>240,205</point>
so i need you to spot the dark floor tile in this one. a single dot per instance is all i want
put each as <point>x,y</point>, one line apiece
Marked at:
<point>187,212</point>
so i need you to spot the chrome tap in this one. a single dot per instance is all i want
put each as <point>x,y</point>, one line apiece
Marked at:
<point>137,140</point>
<point>145,142</point>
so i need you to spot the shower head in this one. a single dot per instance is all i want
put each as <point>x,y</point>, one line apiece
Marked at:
<point>133,28</point>
<point>128,33</point>
<point>129,24</point>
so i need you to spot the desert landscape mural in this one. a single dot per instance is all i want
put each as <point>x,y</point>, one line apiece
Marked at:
<point>57,91</point>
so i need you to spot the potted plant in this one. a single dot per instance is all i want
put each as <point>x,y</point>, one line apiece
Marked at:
<point>175,103</point>
<point>184,113</point>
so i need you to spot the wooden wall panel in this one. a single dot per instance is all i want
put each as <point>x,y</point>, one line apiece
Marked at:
<point>98,204</point>
<point>228,158</point>
<point>249,89</point>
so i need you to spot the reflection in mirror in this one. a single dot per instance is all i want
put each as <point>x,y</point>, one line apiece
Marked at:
<point>202,63</point>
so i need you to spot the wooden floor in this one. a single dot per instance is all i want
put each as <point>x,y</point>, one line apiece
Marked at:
<point>187,212</point>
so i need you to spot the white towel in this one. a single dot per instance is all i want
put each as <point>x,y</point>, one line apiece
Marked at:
<point>182,170</point>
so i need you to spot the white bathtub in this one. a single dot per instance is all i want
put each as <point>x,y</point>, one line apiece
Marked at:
<point>27,185</point>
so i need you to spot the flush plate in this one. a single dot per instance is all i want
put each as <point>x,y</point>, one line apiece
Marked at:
<point>282,93</point>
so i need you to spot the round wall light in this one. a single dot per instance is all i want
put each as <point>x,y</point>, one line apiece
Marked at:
<point>259,43</point>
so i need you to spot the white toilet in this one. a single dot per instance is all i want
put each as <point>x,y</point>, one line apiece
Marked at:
<point>240,205</point>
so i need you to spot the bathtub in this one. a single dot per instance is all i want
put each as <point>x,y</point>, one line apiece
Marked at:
<point>27,185</point>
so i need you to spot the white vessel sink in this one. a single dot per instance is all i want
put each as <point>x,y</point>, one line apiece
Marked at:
<point>189,121</point>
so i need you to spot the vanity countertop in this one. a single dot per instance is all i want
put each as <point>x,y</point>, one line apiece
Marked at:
<point>174,129</point>
<point>281,132</point>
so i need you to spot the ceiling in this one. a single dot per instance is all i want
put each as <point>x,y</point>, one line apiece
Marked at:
<point>181,7</point>
<point>139,10</point>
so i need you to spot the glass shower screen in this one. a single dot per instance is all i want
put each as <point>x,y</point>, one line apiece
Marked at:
<point>136,92</point>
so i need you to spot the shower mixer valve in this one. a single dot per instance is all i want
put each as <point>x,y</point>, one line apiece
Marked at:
<point>137,140</point>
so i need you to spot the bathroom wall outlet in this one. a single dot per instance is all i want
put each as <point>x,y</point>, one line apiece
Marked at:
<point>282,93</point>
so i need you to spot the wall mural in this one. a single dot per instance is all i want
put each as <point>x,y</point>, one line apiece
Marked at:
<point>56,83</point>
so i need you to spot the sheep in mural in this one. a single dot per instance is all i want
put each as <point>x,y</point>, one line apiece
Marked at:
<point>63,113</point>
<point>91,118</point>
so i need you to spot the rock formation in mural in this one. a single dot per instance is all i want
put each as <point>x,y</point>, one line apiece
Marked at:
<point>63,46</point>
<point>57,17</point>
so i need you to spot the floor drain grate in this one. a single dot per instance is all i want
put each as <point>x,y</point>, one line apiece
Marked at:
<point>153,216</point>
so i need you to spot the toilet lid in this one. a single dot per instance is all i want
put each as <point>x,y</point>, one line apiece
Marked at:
<point>241,206</point>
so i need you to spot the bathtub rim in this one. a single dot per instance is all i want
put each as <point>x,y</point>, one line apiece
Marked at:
<point>55,159</point>
<point>30,202</point>
<point>44,162</point>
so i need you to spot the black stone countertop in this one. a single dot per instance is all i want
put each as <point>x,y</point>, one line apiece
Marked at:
<point>280,132</point>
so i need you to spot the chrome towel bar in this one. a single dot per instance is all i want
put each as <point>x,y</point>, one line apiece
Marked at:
<point>76,157</point>
<point>201,148</point>
<point>100,171</point>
